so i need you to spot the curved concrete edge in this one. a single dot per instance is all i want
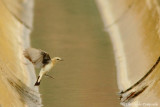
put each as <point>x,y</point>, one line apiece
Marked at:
<point>17,77</point>
<point>115,35</point>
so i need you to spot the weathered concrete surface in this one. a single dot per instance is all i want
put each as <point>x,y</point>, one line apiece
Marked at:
<point>16,77</point>
<point>135,25</point>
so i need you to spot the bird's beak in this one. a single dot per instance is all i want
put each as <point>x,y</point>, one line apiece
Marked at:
<point>61,60</point>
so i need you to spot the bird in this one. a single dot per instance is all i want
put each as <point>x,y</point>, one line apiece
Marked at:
<point>41,59</point>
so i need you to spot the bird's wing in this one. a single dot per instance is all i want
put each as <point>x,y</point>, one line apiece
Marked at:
<point>38,57</point>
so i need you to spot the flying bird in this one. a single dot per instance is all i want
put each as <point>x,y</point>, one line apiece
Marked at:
<point>41,59</point>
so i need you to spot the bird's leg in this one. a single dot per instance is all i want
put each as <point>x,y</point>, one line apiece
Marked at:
<point>48,76</point>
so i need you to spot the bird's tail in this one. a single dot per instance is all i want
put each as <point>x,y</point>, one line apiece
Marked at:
<point>37,82</point>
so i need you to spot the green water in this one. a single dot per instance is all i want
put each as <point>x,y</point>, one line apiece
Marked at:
<point>73,30</point>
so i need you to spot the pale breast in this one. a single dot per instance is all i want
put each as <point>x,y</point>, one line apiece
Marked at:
<point>48,66</point>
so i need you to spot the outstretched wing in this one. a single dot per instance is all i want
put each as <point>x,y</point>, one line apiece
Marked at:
<point>38,57</point>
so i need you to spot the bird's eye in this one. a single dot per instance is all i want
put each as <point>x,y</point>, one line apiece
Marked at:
<point>57,59</point>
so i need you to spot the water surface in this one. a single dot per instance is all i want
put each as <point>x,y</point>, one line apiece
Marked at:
<point>74,31</point>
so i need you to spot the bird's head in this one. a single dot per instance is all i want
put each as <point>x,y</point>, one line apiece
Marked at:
<point>56,59</point>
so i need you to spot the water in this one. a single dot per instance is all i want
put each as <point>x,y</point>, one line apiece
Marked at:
<point>74,31</point>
